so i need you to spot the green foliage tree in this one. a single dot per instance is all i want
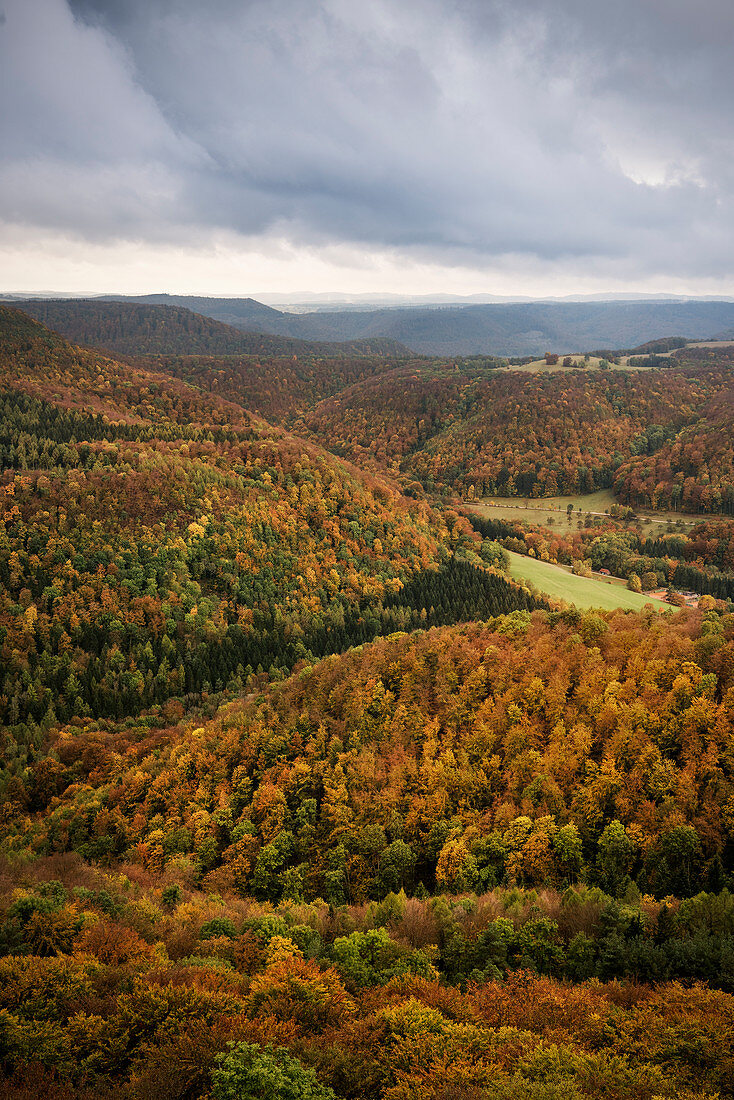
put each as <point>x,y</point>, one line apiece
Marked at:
<point>252,1072</point>
<point>616,853</point>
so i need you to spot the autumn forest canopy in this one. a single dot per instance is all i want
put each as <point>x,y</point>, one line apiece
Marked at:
<point>302,795</point>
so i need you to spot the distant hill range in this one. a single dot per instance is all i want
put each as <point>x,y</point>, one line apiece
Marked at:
<point>162,324</point>
<point>498,329</point>
<point>142,328</point>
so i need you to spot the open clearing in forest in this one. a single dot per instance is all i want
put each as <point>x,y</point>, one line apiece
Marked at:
<point>585,592</point>
<point>706,344</point>
<point>579,362</point>
<point>553,511</point>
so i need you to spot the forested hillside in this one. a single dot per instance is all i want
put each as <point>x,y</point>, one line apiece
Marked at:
<point>301,796</point>
<point>143,329</point>
<point>458,759</point>
<point>158,542</point>
<point>557,784</point>
<point>462,429</point>
<point>245,313</point>
<point>694,471</point>
<point>473,427</point>
<point>527,328</point>
<point>130,985</point>
<point>660,436</point>
<point>280,388</point>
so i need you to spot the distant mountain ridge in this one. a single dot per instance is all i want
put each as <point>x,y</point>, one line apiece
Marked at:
<point>153,328</point>
<point>527,328</point>
<point>232,311</point>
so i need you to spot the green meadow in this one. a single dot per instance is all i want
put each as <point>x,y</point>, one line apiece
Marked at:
<point>584,592</point>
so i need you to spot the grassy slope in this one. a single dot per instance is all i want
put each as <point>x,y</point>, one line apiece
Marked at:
<point>585,592</point>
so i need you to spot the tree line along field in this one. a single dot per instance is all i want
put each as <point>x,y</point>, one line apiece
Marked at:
<point>303,794</point>
<point>557,581</point>
<point>620,551</point>
<point>582,362</point>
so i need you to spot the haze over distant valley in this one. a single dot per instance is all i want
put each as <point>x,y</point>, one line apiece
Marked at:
<point>516,329</point>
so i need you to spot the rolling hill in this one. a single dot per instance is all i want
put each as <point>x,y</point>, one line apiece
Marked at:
<point>133,328</point>
<point>280,388</point>
<point>296,791</point>
<point>459,428</point>
<point>243,313</point>
<point>692,472</point>
<point>451,426</point>
<point>497,329</point>
<point>158,539</point>
<point>449,739</point>
<point>488,855</point>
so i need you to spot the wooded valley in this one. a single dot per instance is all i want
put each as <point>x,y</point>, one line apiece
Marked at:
<point>302,795</point>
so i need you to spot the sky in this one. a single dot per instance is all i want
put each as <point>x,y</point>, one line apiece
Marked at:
<point>527,147</point>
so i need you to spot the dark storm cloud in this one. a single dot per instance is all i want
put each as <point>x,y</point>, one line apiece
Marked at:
<point>457,131</point>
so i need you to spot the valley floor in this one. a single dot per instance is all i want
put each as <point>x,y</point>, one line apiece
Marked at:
<point>553,511</point>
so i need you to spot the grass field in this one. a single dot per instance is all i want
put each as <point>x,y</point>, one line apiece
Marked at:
<point>539,366</point>
<point>541,510</point>
<point>584,592</point>
<point>708,344</point>
<point>625,362</point>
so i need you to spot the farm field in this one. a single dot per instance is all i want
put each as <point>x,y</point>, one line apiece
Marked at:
<point>705,344</point>
<point>584,592</point>
<point>540,366</point>
<point>541,510</point>
<point>579,361</point>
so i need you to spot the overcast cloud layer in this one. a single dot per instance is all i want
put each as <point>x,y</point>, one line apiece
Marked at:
<point>465,133</point>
